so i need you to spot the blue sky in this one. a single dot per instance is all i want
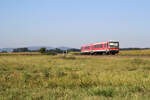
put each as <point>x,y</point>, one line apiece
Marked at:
<point>74,23</point>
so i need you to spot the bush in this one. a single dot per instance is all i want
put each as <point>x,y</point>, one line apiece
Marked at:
<point>42,50</point>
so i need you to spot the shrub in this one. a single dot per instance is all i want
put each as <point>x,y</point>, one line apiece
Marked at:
<point>42,50</point>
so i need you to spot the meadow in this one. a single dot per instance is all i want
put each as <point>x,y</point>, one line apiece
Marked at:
<point>135,53</point>
<point>45,77</point>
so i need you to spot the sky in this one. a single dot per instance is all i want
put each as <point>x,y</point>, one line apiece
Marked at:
<point>74,23</point>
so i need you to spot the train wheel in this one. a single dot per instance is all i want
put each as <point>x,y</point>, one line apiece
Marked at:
<point>101,53</point>
<point>113,53</point>
<point>107,53</point>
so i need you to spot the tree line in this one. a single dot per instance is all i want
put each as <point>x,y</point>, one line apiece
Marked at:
<point>45,50</point>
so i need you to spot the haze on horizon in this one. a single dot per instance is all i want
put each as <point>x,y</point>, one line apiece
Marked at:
<point>73,23</point>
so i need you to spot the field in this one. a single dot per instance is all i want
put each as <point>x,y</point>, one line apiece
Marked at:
<point>135,53</point>
<point>44,77</point>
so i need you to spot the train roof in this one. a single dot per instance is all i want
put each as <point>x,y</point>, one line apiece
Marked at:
<point>113,41</point>
<point>86,45</point>
<point>100,43</point>
<point>94,43</point>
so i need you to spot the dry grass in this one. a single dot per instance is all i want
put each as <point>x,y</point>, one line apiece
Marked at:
<point>20,53</point>
<point>135,53</point>
<point>74,78</point>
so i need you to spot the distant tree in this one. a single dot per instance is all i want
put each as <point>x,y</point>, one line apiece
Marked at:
<point>42,50</point>
<point>21,50</point>
<point>57,50</point>
<point>74,50</point>
<point>4,51</point>
<point>135,48</point>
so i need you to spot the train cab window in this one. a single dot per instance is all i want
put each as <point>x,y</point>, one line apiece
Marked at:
<point>114,44</point>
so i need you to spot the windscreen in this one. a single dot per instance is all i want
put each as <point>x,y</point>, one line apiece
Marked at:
<point>113,44</point>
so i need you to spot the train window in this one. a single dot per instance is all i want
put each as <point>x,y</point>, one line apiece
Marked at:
<point>88,47</point>
<point>105,45</point>
<point>96,46</point>
<point>113,44</point>
<point>101,46</point>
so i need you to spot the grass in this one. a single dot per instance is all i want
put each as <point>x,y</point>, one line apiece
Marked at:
<point>74,78</point>
<point>135,53</point>
<point>20,53</point>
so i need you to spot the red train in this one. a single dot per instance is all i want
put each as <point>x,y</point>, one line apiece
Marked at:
<point>108,47</point>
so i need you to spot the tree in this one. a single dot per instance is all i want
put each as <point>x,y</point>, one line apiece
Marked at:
<point>42,50</point>
<point>21,50</point>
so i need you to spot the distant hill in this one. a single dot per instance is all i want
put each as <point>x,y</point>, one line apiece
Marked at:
<point>38,47</point>
<point>48,48</point>
<point>64,48</point>
<point>6,49</point>
<point>134,48</point>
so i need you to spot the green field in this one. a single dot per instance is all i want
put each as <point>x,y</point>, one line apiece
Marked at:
<point>43,77</point>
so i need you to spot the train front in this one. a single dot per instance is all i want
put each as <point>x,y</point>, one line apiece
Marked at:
<point>113,47</point>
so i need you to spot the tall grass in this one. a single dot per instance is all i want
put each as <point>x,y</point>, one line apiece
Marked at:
<point>73,78</point>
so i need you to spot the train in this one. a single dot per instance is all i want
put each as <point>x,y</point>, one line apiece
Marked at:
<point>110,47</point>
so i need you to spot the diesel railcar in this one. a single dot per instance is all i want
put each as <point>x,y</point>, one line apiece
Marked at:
<point>108,47</point>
